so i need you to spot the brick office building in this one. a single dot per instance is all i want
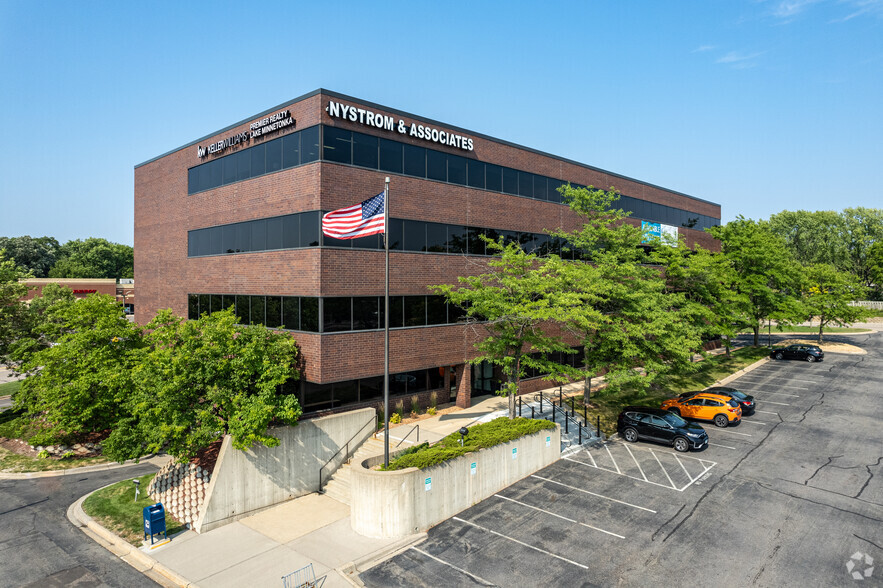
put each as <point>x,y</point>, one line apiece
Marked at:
<point>234,218</point>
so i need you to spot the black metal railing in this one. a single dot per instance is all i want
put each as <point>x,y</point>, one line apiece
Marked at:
<point>402,440</point>
<point>346,446</point>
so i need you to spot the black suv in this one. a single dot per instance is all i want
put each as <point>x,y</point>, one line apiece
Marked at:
<point>746,401</point>
<point>807,352</point>
<point>656,424</point>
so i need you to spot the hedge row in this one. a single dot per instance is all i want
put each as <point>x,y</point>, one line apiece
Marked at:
<point>498,431</point>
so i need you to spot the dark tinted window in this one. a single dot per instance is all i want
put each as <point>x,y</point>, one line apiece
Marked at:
<point>258,159</point>
<point>364,150</point>
<point>258,310</point>
<point>396,312</point>
<point>192,306</point>
<point>391,156</point>
<point>370,388</point>
<point>415,161</point>
<point>436,238</point>
<point>274,155</point>
<point>242,309</point>
<point>309,314</point>
<point>456,169</point>
<point>336,315</point>
<point>396,234</point>
<point>274,311</point>
<point>436,310</point>
<point>216,303</point>
<point>366,313</point>
<point>258,235</point>
<point>309,228</point>
<point>539,188</point>
<point>204,304</point>
<point>291,150</point>
<point>415,236</point>
<point>193,184</point>
<point>493,177</point>
<point>510,181</point>
<point>309,144</point>
<point>274,232</point>
<point>436,165</point>
<point>291,313</point>
<point>475,174</point>
<point>338,145</point>
<point>317,396</point>
<point>228,167</point>
<point>525,184</point>
<point>458,239</point>
<point>346,392</point>
<point>415,311</point>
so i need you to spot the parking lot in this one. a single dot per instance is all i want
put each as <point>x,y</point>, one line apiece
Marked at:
<point>787,497</point>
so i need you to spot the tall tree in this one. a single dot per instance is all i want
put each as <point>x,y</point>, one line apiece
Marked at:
<point>766,273</point>
<point>632,328</point>
<point>45,320</point>
<point>13,312</point>
<point>36,255</point>
<point>80,384</point>
<point>875,269</point>
<point>862,227</point>
<point>198,380</point>
<point>511,305</point>
<point>94,258</point>
<point>827,294</point>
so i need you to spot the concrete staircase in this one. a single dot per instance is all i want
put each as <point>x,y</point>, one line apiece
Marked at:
<point>338,485</point>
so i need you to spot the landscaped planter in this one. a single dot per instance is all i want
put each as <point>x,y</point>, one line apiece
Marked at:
<point>404,502</point>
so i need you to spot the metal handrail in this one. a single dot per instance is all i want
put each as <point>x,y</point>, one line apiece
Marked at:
<point>347,447</point>
<point>417,427</point>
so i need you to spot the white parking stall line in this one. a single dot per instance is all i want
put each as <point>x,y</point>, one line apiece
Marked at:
<point>733,432</point>
<point>766,412</point>
<point>481,581</point>
<point>594,463</point>
<point>683,467</point>
<point>618,471</point>
<point>753,422</point>
<point>626,475</point>
<point>771,402</point>
<point>756,392</point>
<point>719,445</point>
<point>522,543</point>
<point>636,462</point>
<point>593,493</point>
<point>548,512</point>
<point>664,471</point>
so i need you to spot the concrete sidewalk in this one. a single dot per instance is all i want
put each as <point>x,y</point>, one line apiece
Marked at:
<point>313,529</point>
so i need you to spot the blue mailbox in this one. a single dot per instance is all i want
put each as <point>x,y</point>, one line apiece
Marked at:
<point>154,521</point>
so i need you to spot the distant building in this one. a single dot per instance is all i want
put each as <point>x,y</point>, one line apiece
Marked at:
<point>124,292</point>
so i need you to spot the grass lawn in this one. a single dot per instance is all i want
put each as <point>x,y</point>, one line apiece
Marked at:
<point>115,509</point>
<point>713,368</point>
<point>11,462</point>
<point>10,388</point>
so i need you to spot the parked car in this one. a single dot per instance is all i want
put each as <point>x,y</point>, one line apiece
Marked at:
<point>654,424</point>
<point>806,352</point>
<point>719,409</point>
<point>746,401</point>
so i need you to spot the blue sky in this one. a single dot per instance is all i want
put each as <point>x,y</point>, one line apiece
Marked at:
<point>760,106</point>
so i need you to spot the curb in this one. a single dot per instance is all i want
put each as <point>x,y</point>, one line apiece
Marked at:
<point>350,571</point>
<point>80,470</point>
<point>123,549</point>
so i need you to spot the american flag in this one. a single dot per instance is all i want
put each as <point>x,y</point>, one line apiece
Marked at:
<point>360,220</point>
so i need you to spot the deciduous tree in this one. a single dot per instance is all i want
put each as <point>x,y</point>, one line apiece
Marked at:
<point>827,294</point>
<point>36,255</point>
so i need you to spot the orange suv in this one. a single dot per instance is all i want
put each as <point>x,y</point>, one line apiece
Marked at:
<point>722,410</point>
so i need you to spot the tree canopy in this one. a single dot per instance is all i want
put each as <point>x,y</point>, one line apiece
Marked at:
<point>827,294</point>
<point>13,312</point>
<point>36,255</point>
<point>197,380</point>
<point>94,258</point>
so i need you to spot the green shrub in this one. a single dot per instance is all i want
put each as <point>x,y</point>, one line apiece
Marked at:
<point>430,411</point>
<point>396,418</point>
<point>495,432</point>
<point>400,409</point>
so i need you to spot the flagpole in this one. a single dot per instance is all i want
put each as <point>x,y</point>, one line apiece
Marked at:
<point>386,328</point>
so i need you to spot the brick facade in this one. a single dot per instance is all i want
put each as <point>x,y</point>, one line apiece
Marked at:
<point>164,213</point>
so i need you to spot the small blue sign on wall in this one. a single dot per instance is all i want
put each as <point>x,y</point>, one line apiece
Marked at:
<point>514,453</point>
<point>428,484</point>
<point>548,441</point>
<point>472,468</point>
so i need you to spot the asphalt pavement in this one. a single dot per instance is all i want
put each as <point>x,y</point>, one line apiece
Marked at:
<point>40,547</point>
<point>792,496</point>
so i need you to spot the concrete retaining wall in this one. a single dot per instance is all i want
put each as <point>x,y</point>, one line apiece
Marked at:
<point>399,503</point>
<point>244,482</point>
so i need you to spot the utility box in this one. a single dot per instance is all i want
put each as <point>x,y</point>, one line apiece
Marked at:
<point>154,521</point>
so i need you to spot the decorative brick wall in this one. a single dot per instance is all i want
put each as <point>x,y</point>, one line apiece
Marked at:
<point>180,487</point>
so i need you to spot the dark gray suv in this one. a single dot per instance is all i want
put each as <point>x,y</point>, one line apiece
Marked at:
<point>656,424</point>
